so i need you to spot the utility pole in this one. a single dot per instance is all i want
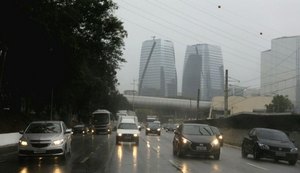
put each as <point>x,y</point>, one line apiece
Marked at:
<point>3,53</point>
<point>51,106</point>
<point>226,95</point>
<point>133,93</point>
<point>198,99</point>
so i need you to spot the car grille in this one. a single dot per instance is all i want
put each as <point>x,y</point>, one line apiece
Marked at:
<point>279,149</point>
<point>40,143</point>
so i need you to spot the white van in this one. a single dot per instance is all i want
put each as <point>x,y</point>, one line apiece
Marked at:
<point>127,131</point>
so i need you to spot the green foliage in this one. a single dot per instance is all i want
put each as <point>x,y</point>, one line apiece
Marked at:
<point>75,49</point>
<point>280,104</point>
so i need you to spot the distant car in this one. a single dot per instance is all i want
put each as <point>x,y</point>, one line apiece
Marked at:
<point>195,139</point>
<point>219,135</point>
<point>45,138</point>
<point>171,127</point>
<point>269,143</point>
<point>80,129</point>
<point>153,128</point>
<point>127,131</point>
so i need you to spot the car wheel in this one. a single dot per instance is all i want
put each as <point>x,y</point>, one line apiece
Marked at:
<point>292,162</point>
<point>117,142</point>
<point>244,154</point>
<point>21,159</point>
<point>174,151</point>
<point>256,154</point>
<point>217,155</point>
<point>179,152</point>
<point>158,134</point>
<point>146,133</point>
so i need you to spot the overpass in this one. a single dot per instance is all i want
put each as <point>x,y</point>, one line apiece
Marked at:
<point>166,103</point>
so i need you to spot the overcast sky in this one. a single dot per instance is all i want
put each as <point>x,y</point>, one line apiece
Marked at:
<point>242,28</point>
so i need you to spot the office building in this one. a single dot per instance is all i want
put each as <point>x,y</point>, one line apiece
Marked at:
<point>157,73</point>
<point>280,73</point>
<point>203,69</point>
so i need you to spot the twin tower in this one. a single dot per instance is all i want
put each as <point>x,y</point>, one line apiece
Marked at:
<point>203,69</point>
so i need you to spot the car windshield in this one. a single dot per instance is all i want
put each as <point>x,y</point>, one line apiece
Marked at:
<point>153,125</point>
<point>197,130</point>
<point>44,128</point>
<point>127,126</point>
<point>101,118</point>
<point>215,130</point>
<point>272,135</point>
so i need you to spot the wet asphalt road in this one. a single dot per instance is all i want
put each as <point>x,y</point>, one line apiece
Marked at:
<point>99,154</point>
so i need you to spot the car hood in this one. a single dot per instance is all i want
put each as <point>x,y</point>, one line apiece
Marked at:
<point>199,138</point>
<point>128,131</point>
<point>42,136</point>
<point>283,144</point>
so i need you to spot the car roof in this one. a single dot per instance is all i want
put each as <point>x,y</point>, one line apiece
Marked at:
<point>185,124</point>
<point>101,111</point>
<point>46,121</point>
<point>267,129</point>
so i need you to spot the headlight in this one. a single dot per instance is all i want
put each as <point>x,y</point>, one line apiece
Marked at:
<point>58,142</point>
<point>92,130</point>
<point>119,134</point>
<point>263,146</point>
<point>220,137</point>
<point>108,130</point>
<point>184,140</point>
<point>148,129</point>
<point>135,135</point>
<point>23,142</point>
<point>139,126</point>
<point>215,142</point>
<point>294,150</point>
<point>158,129</point>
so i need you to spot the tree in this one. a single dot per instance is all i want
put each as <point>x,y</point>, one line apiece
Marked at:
<point>280,104</point>
<point>70,47</point>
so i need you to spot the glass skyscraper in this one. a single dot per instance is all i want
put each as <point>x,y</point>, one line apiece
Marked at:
<point>280,69</point>
<point>157,73</point>
<point>203,69</point>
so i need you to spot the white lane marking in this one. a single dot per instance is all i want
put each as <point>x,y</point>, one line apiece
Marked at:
<point>175,165</point>
<point>259,167</point>
<point>85,159</point>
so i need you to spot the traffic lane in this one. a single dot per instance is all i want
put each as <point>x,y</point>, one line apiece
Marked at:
<point>89,154</point>
<point>230,161</point>
<point>147,157</point>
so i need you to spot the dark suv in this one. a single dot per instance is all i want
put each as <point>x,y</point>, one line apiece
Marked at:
<point>269,143</point>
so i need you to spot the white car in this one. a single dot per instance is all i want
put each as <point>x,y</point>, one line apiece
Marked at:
<point>127,131</point>
<point>45,138</point>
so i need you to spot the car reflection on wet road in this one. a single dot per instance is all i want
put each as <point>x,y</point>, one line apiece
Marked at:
<point>99,154</point>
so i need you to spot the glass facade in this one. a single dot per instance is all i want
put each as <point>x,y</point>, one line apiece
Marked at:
<point>203,69</point>
<point>280,69</point>
<point>157,73</point>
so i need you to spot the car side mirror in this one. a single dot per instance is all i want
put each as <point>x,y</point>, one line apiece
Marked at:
<point>68,131</point>
<point>21,132</point>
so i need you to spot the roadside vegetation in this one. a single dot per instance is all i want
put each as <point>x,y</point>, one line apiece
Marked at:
<point>60,58</point>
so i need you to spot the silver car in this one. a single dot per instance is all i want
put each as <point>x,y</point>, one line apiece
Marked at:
<point>45,138</point>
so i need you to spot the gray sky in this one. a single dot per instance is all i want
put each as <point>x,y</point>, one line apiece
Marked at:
<point>236,27</point>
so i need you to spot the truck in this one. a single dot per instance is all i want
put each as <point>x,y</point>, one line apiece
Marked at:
<point>100,122</point>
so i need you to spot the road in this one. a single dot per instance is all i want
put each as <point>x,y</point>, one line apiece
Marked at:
<point>99,154</point>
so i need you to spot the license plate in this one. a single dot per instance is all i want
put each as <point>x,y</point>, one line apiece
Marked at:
<point>281,154</point>
<point>39,151</point>
<point>200,148</point>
